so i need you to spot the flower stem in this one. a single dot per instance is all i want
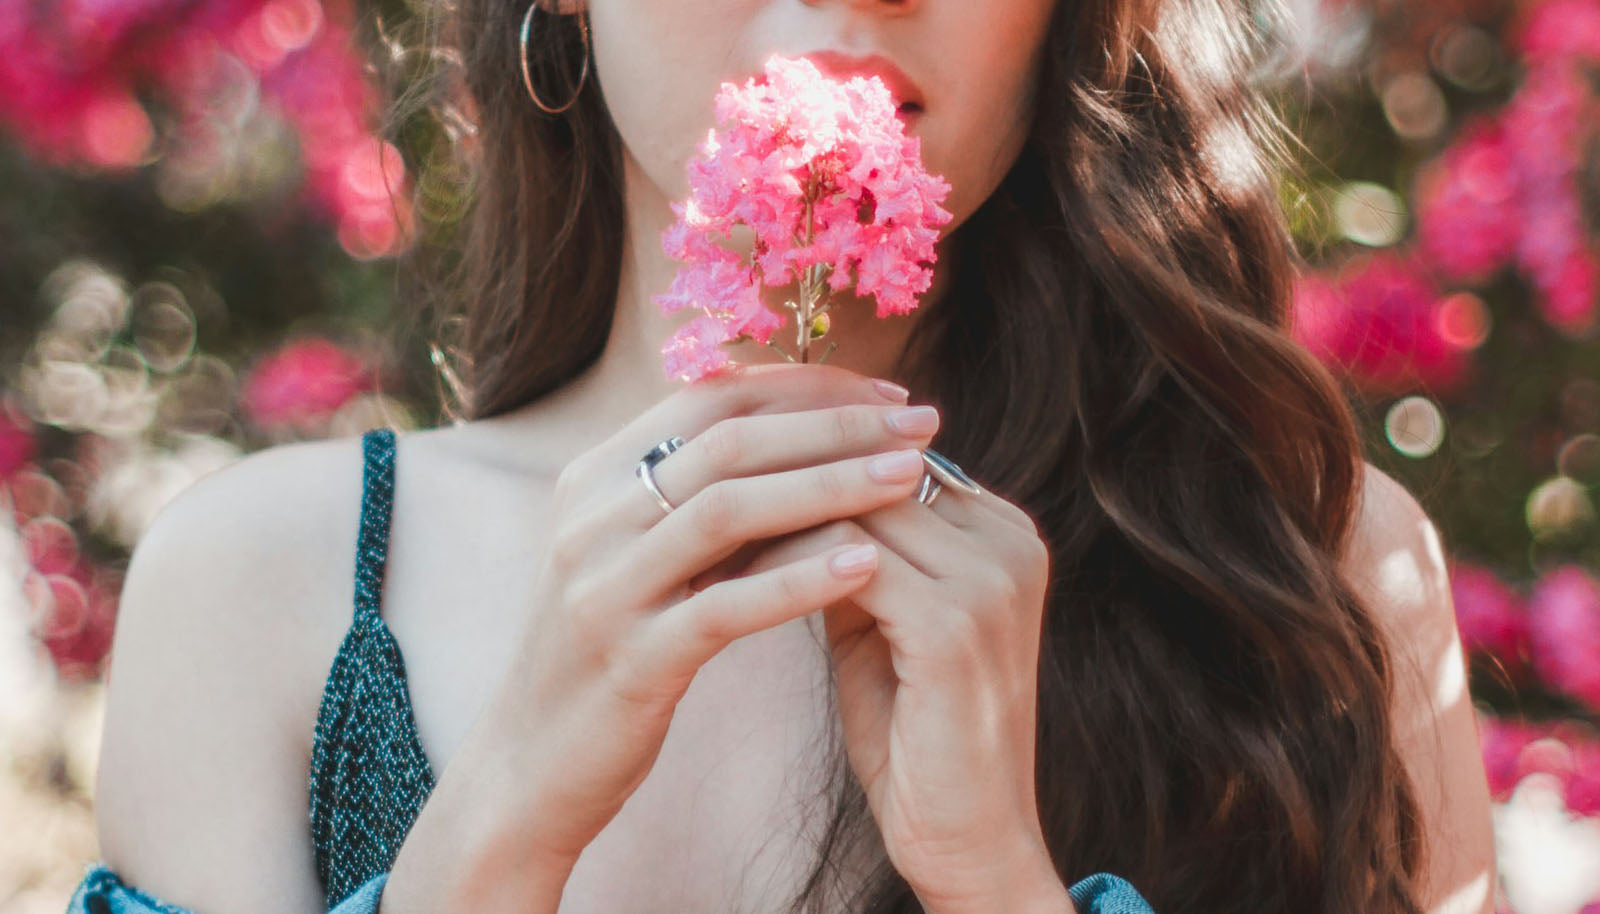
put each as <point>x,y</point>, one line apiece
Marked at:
<point>808,292</point>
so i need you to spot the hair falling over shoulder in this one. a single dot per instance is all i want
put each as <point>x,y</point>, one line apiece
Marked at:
<point>1214,700</point>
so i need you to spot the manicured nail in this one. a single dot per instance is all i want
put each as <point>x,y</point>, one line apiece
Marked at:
<point>896,466</point>
<point>855,560</point>
<point>891,390</point>
<point>914,420</point>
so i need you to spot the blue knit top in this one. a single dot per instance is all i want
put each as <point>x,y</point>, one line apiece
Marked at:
<point>369,776</point>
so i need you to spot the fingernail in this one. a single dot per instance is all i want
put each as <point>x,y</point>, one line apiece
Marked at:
<point>891,390</point>
<point>854,560</point>
<point>914,420</point>
<point>896,466</point>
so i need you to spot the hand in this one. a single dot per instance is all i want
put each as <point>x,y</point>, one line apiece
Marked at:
<point>937,661</point>
<point>619,633</point>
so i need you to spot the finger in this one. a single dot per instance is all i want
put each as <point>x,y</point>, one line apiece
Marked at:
<point>674,644</point>
<point>912,610</point>
<point>897,579</point>
<point>759,555</point>
<point>996,506</point>
<point>720,518</point>
<point>968,511</point>
<point>736,564</point>
<point>928,541</point>
<point>748,445</point>
<point>748,390</point>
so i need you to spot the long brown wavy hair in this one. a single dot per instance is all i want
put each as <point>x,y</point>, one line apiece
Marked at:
<point>1112,355</point>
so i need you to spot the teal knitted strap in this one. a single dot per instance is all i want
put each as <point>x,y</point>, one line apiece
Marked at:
<point>102,891</point>
<point>1105,893</point>
<point>377,505</point>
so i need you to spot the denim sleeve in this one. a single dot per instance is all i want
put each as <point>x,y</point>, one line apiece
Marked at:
<point>1104,893</point>
<point>102,891</point>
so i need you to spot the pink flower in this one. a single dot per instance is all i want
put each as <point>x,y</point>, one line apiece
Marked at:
<point>1583,783</point>
<point>1561,29</point>
<point>824,175</point>
<point>1546,123</point>
<point>74,75</point>
<point>1564,623</point>
<point>17,444</point>
<point>1489,613</point>
<point>302,384</point>
<point>696,349</point>
<point>1467,207</point>
<point>1502,742</point>
<point>1378,321</point>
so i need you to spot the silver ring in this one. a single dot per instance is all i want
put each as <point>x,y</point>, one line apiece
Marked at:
<point>646,467</point>
<point>929,490</point>
<point>947,472</point>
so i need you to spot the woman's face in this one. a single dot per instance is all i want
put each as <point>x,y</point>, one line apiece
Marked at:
<point>660,63</point>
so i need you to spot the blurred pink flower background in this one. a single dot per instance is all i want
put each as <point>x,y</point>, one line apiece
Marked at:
<point>231,148</point>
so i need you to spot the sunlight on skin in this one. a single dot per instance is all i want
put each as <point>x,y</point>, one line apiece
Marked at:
<point>1450,681</point>
<point>1397,564</point>
<point>1471,897</point>
<point>1400,576</point>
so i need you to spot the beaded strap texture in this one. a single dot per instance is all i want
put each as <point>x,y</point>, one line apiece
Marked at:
<point>369,776</point>
<point>1107,893</point>
<point>103,891</point>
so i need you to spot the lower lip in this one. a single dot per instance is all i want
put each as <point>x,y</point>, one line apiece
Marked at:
<point>909,116</point>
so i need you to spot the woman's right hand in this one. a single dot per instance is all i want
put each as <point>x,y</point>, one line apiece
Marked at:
<point>619,630</point>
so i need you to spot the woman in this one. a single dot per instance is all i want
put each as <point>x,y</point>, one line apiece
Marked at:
<point>1182,650</point>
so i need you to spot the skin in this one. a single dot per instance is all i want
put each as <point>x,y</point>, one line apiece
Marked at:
<point>932,652</point>
<point>660,65</point>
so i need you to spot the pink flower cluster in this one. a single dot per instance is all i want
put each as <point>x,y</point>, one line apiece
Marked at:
<point>301,385</point>
<point>1563,750</point>
<point>823,174</point>
<point>1490,614</point>
<point>1553,632</point>
<point>73,73</point>
<point>1508,191</point>
<point>1381,321</point>
<point>1564,625</point>
<point>70,598</point>
<point>1561,30</point>
<point>1469,210</point>
<point>17,444</point>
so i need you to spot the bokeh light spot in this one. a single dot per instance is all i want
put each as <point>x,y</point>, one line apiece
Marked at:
<point>1414,426</point>
<point>1369,213</point>
<point>1462,320</point>
<point>1414,106</point>
<point>1559,506</point>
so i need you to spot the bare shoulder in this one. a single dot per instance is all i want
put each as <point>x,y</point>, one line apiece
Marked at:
<point>1396,561</point>
<point>1395,546</point>
<point>233,604</point>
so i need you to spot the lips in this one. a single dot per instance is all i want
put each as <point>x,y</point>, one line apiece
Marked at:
<point>839,65</point>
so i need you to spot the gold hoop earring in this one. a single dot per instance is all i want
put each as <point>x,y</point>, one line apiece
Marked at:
<point>527,75</point>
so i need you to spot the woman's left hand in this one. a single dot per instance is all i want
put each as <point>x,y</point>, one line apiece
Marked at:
<point>937,661</point>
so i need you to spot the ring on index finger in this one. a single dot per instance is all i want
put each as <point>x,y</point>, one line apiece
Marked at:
<point>646,467</point>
